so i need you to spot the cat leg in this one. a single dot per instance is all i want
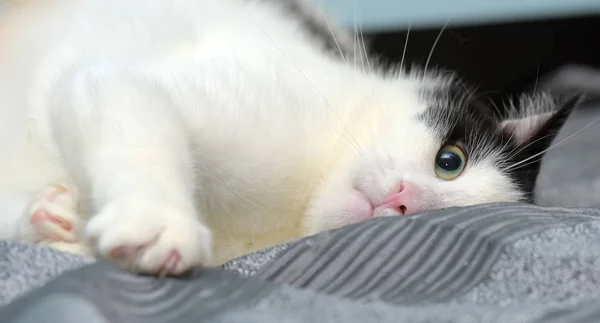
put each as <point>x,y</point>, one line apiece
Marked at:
<point>125,146</point>
<point>52,219</point>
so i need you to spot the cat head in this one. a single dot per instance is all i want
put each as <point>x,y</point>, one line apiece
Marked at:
<point>443,148</point>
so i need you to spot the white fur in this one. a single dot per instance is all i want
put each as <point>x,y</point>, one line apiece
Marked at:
<point>176,116</point>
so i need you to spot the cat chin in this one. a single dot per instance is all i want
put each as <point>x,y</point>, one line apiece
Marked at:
<point>359,208</point>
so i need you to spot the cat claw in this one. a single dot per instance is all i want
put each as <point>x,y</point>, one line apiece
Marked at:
<point>168,267</point>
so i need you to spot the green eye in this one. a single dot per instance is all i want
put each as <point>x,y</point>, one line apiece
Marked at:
<point>450,162</point>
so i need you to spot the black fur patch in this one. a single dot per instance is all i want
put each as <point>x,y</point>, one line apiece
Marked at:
<point>458,116</point>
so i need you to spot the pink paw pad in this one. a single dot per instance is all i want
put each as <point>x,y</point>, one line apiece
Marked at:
<point>43,216</point>
<point>52,215</point>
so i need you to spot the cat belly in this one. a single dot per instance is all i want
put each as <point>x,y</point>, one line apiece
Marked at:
<point>253,196</point>
<point>248,221</point>
<point>246,224</point>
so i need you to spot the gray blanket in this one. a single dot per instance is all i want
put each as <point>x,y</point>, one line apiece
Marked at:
<point>494,263</point>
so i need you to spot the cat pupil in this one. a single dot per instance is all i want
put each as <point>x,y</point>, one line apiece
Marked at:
<point>449,161</point>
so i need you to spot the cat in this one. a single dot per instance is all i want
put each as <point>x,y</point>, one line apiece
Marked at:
<point>168,134</point>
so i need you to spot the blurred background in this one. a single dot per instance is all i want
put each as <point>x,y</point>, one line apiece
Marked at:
<point>502,46</point>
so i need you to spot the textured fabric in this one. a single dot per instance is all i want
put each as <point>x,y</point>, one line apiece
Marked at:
<point>25,266</point>
<point>491,263</point>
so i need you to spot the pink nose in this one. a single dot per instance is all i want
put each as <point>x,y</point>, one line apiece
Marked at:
<point>407,200</point>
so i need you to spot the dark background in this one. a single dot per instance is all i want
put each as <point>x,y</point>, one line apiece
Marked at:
<point>501,59</point>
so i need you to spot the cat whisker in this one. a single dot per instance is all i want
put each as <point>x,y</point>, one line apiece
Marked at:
<point>405,46</point>
<point>516,151</point>
<point>527,164</point>
<point>360,48</point>
<point>364,47</point>
<point>337,44</point>
<point>355,145</point>
<point>512,135</point>
<point>537,77</point>
<point>355,38</point>
<point>558,144</point>
<point>495,107</point>
<point>480,143</point>
<point>468,95</point>
<point>437,39</point>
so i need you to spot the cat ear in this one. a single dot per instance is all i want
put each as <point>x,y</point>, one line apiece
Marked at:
<point>538,118</point>
<point>532,127</point>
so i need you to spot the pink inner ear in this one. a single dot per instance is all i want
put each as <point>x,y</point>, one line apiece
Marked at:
<point>523,129</point>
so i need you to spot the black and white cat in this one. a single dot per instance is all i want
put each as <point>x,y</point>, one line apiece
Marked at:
<point>167,134</point>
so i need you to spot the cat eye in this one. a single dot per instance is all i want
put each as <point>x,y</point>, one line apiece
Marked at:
<point>450,162</point>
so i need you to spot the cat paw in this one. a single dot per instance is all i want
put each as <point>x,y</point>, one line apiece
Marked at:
<point>149,237</point>
<point>52,216</point>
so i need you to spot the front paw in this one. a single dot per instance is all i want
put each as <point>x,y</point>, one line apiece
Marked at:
<point>52,216</point>
<point>146,236</point>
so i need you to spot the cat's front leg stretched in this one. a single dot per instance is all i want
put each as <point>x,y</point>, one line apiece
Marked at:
<point>126,148</point>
